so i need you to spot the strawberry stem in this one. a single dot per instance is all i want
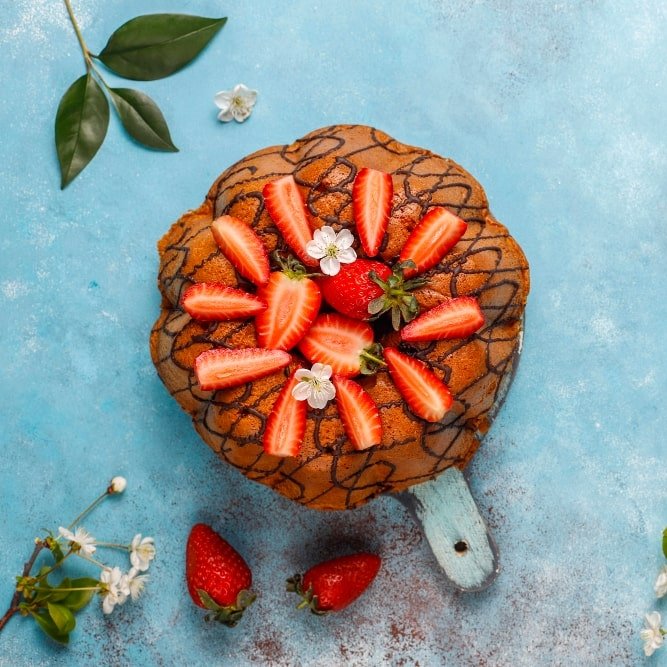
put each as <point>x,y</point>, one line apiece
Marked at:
<point>376,360</point>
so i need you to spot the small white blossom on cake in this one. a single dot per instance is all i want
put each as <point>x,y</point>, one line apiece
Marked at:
<point>314,386</point>
<point>142,552</point>
<point>115,588</point>
<point>661,583</point>
<point>331,249</point>
<point>236,104</point>
<point>81,540</point>
<point>652,635</point>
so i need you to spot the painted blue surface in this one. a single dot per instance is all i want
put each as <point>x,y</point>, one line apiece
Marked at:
<point>558,108</point>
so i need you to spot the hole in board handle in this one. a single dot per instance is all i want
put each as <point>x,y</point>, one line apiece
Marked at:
<point>461,548</point>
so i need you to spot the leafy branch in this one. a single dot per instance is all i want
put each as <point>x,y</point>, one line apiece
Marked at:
<point>145,48</point>
<point>53,605</point>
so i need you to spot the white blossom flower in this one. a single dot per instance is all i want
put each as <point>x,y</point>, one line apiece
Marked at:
<point>142,552</point>
<point>136,582</point>
<point>235,104</point>
<point>81,540</point>
<point>652,634</point>
<point>661,583</point>
<point>117,485</point>
<point>314,385</point>
<point>115,588</point>
<point>331,249</point>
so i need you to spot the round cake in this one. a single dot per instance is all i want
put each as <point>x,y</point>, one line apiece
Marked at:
<point>330,469</point>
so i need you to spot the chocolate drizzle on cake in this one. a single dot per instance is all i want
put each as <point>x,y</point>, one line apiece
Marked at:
<point>487,263</point>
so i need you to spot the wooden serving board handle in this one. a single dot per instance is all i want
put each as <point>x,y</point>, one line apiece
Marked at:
<point>455,530</point>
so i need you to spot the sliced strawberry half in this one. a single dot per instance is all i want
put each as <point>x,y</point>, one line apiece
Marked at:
<point>358,412</point>
<point>222,368</point>
<point>427,396</point>
<point>242,247</point>
<point>216,302</point>
<point>454,318</point>
<point>287,209</point>
<point>286,424</point>
<point>371,205</point>
<point>343,343</point>
<point>433,237</point>
<point>293,302</point>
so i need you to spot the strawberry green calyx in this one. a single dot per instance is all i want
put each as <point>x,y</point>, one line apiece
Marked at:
<point>292,267</point>
<point>397,298</point>
<point>310,601</point>
<point>228,615</point>
<point>371,359</point>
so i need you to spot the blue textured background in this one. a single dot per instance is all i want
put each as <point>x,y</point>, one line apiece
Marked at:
<point>558,108</point>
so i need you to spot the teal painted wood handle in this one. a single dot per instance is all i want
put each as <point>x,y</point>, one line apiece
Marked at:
<point>455,530</point>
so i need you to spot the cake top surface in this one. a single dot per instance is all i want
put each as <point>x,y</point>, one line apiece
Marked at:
<point>485,265</point>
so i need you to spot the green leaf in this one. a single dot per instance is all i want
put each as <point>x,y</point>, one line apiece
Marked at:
<point>77,600</point>
<point>664,542</point>
<point>62,617</point>
<point>48,626</point>
<point>142,119</point>
<point>156,45</point>
<point>58,594</point>
<point>81,125</point>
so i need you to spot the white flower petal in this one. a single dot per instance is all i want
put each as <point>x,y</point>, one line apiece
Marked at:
<point>347,256</point>
<point>321,371</point>
<point>315,250</point>
<point>108,603</point>
<point>223,99</point>
<point>226,116</point>
<point>653,620</point>
<point>317,400</point>
<point>328,234</point>
<point>330,266</point>
<point>240,113</point>
<point>303,374</point>
<point>302,391</point>
<point>344,239</point>
<point>249,96</point>
<point>328,390</point>
<point>661,583</point>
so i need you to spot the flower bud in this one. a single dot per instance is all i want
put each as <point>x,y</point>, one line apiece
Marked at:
<point>117,485</point>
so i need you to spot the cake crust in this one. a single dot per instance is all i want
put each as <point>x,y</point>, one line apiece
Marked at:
<point>486,263</point>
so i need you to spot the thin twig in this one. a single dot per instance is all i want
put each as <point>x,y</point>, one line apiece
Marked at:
<point>14,606</point>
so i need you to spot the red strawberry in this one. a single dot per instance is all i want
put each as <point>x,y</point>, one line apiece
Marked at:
<point>433,237</point>
<point>371,206</point>
<point>286,207</point>
<point>358,412</point>
<point>293,303</point>
<point>222,368</point>
<point>344,344</point>
<point>351,289</point>
<point>286,424</point>
<point>454,318</point>
<point>334,584</point>
<point>425,394</point>
<point>242,247</point>
<point>217,576</point>
<point>217,302</point>
<point>366,289</point>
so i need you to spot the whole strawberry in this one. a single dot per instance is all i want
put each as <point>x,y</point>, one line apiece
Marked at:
<point>366,289</point>
<point>334,584</point>
<point>218,578</point>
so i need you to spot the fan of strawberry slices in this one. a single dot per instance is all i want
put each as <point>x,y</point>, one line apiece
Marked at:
<point>340,345</point>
